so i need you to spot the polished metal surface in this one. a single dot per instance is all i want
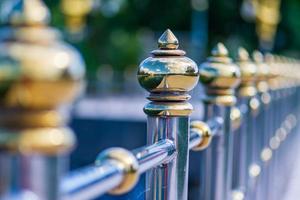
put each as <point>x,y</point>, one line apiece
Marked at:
<point>243,144</point>
<point>113,168</point>
<point>220,76</point>
<point>169,181</point>
<point>202,133</point>
<point>95,180</point>
<point>91,182</point>
<point>39,75</point>
<point>168,75</point>
<point>248,74</point>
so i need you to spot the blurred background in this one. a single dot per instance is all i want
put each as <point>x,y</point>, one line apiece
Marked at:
<point>114,36</point>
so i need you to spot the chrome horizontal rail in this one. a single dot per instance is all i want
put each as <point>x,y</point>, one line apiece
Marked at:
<point>92,181</point>
<point>154,155</point>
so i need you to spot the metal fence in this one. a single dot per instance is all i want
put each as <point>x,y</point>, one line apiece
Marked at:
<point>251,113</point>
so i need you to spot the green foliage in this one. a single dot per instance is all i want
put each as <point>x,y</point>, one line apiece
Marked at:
<point>115,39</point>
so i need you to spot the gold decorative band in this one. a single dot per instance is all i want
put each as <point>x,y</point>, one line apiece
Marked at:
<point>45,141</point>
<point>31,118</point>
<point>168,109</point>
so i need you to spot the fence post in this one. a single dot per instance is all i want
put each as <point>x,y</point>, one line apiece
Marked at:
<point>263,121</point>
<point>39,74</point>
<point>249,105</point>
<point>168,75</point>
<point>220,76</point>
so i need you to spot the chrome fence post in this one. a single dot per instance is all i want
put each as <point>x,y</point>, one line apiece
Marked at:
<point>265,153</point>
<point>268,152</point>
<point>39,74</point>
<point>168,75</point>
<point>245,162</point>
<point>279,94</point>
<point>220,76</point>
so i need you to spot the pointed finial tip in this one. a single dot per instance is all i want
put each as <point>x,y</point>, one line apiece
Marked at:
<point>220,50</point>
<point>257,56</point>
<point>243,54</point>
<point>168,40</point>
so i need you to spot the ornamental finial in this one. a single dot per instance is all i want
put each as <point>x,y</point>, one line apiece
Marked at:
<point>220,76</point>
<point>243,54</point>
<point>168,40</point>
<point>220,50</point>
<point>24,12</point>
<point>44,74</point>
<point>248,73</point>
<point>263,71</point>
<point>168,75</point>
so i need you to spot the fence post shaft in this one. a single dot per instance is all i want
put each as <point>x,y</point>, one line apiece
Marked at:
<point>41,74</point>
<point>168,75</point>
<point>265,153</point>
<point>248,139</point>
<point>220,76</point>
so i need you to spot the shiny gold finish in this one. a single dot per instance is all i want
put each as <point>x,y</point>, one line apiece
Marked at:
<point>284,73</point>
<point>168,75</point>
<point>248,72</point>
<point>128,164</point>
<point>75,12</point>
<point>204,132</point>
<point>168,109</point>
<point>32,118</point>
<point>39,74</point>
<point>263,71</point>
<point>168,70</point>
<point>168,40</point>
<point>267,19</point>
<point>236,118</point>
<point>49,141</point>
<point>220,76</point>
<point>30,12</point>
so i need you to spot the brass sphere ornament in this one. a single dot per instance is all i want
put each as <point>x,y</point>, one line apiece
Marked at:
<point>248,69</point>
<point>168,75</point>
<point>204,131</point>
<point>220,76</point>
<point>236,118</point>
<point>39,72</point>
<point>127,163</point>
